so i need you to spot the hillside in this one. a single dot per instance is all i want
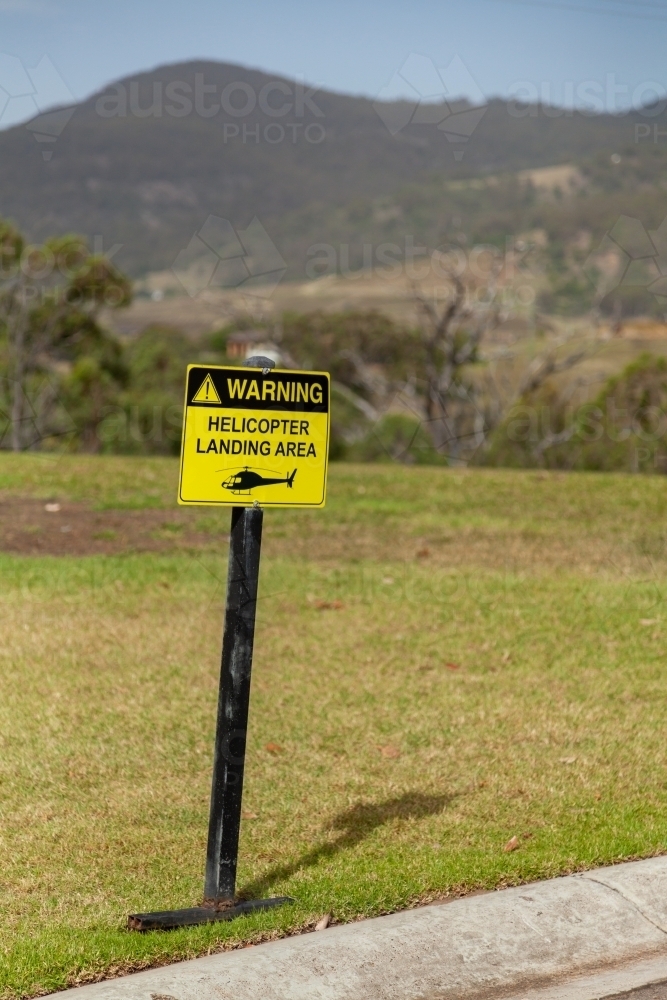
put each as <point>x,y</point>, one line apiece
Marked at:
<point>148,181</point>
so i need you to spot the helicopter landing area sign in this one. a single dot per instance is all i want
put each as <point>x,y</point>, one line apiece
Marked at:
<point>251,437</point>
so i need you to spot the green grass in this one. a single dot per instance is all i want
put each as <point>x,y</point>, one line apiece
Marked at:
<point>399,779</point>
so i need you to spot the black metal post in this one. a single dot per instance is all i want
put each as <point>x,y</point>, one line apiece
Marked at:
<point>230,735</point>
<point>230,739</point>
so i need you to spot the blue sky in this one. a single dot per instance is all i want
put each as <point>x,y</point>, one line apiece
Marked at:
<point>551,47</point>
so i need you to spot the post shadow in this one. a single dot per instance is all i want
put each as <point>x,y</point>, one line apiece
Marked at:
<point>354,825</point>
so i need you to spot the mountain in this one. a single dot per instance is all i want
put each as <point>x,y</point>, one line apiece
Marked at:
<point>144,162</point>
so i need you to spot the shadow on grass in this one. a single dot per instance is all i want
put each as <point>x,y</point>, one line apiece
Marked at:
<point>354,825</point>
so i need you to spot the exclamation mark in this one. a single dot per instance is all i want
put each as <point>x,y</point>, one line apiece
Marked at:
<point>207,387</point>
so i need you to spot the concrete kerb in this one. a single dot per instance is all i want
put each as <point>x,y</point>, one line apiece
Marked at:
<point>525,938</point>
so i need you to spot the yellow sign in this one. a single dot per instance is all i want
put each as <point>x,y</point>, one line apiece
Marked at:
<point>253,437</point>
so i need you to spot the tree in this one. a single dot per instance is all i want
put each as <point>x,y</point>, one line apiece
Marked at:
<point>394,386</point>
<point>369,357</point>
<point>453,322</point>
<point>91,387</point>
<point>51,296</point>
<point>153,405</point>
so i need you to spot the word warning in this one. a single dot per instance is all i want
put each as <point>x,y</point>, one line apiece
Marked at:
<point>253,437</point>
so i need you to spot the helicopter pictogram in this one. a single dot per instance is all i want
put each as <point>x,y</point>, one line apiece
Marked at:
<point>247,479</point>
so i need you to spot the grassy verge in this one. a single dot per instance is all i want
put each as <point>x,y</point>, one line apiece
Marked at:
<point>444,661</point>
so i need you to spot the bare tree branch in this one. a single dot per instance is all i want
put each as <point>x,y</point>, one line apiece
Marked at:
<point>361,404</point>
<point>542,368</point>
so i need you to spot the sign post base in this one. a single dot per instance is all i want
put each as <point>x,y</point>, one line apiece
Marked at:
<point>167,920</point>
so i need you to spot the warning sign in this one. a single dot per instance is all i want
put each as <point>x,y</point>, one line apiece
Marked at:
<point>206,393</point>
<point>253,437</point>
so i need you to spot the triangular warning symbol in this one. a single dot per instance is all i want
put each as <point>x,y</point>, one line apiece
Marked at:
<point>206,393</point>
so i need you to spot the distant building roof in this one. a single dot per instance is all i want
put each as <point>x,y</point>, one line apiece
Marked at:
<point>248,337</point>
